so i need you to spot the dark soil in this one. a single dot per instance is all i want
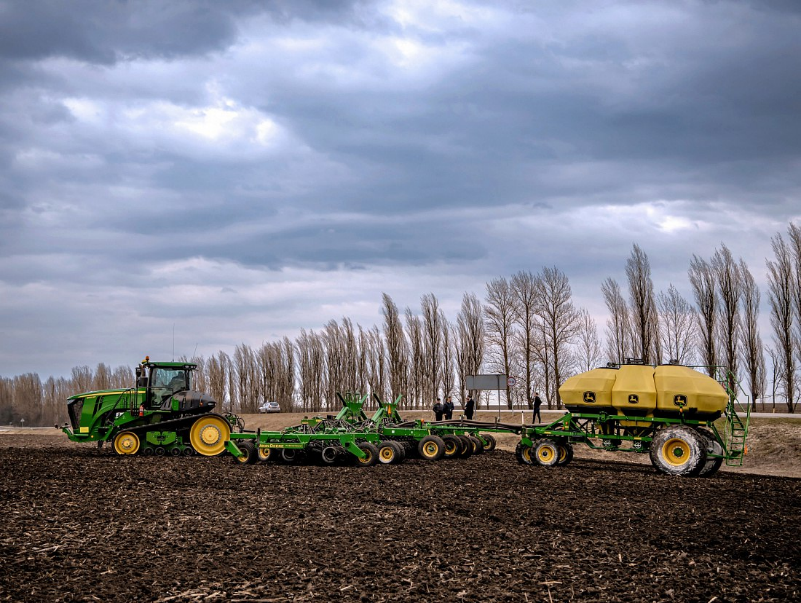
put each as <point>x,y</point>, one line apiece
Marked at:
<point>80,524</point>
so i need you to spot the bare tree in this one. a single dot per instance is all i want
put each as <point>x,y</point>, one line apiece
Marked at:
<point>644,319</point>
<point>559,320</point>
<point>781,298</point>
<point>102,377</point>
<point>433,343</point>
<point>82,378</point>
<point>449,337</point>
<point>414,334</point>
<point>311,370</point>
<point>729,287</point>
<point>397,348</point>
<point>677,325</point>
<point>247,379</point>
<point>470,342</point>
<point>524,289</point>
<point>702,279</point>
<point>618,326</point>
<point>794,233</point>
<point>499,313</point>
<point>588,352</point>
<point>750,340</point>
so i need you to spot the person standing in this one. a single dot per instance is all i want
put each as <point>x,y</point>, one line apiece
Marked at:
<point>438,410</point>
<point>537,404</point>
<point>469,407</point>
<point>448,409</point>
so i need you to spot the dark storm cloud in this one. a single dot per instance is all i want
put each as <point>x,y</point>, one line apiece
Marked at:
<point>109,30</point>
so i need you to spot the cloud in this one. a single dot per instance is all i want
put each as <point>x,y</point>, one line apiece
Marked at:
<point>199,155</point>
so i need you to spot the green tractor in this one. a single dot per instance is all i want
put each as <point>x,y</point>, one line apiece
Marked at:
<point>160,415</point>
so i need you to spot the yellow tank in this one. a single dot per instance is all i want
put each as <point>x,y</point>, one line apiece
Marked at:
<point>634,392</point>
<point>683,390</point>
<point>638,390</point>
<point>590,391</point>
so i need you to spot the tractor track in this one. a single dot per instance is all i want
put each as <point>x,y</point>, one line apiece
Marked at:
<point>82,524</point>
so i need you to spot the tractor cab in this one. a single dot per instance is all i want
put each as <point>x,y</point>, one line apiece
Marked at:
<point>163,380</point>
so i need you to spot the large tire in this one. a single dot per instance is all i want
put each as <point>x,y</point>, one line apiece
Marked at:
<point>401,450</point>
<point>546,453</point>
<point>388,453</point>
<point>126,443</point>
<point>478,445</point>
<point>565,453</point>
<point>329,455</point>
<point>524,454</point>
<point>712,447</point>
<point>467,446</point>
<point>453,446</point>
<point>678,450</point>
<point>431,448</point>
<point>248,453</point>
<point>371,455</point>
<point>209,434</point>
<point>489,442</point>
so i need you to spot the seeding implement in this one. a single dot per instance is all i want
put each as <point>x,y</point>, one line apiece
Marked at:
<point>671,412</point>
<point>353,436</point>
<point>160,415</point>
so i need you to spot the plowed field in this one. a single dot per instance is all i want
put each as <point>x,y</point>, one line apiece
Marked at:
<point>82,524</point>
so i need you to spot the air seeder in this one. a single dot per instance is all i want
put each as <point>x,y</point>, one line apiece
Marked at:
<point>160,415</point>
<point>668,411</point>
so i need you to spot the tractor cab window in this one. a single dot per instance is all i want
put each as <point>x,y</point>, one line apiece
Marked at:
<point>166,381</point>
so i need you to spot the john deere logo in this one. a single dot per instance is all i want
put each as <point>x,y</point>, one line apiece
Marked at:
<point>633,398</point>
<point>680,400</point>
<point>589,397</point>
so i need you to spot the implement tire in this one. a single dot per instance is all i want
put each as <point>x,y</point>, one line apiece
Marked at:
<point>714,463</point>
<point>524,454</point>
<point>431,448</point>
<point>453,446</point>
<point>489,442</point>
<point>371,453</point>
<point>546,453</point>
<point>467,446</point>
<point>248,453</point>
<point>264,454</point>
<point>678,450</point>
<point>565,453</point>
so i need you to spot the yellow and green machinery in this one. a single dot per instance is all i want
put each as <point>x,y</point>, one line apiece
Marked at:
<point>688,422</point>
<point>161,414</point>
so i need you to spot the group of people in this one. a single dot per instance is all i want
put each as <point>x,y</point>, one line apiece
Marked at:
<point>445,410</point>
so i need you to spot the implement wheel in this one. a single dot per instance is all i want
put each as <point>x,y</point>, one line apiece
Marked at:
<point>371,455</point>
<point>453,446</point>
<point>467,446</point>
<point>209,434</point>
<point>523,454</point>
<point>126,442</point>
<point>678,450</point>
<point>546,453</point>
<point>388,453</point>
<point>248,453</point>
<point>264,454</point>
<point>489,442</point>
<point>478,445</point>
<point>565,453</point>
<point>712,447</point>
<point>431,448</point>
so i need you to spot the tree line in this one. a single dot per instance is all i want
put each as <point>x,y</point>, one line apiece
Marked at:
<point>525,325</point>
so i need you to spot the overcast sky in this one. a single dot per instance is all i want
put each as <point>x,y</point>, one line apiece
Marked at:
<point>243,169</point>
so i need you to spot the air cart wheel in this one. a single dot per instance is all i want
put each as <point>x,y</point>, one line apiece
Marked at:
<point>329,455</point>
<point>467,446</point>
<point>712,447</point>
<point>248,453</point>
<point>489,442</point>
<point>453,446</point>
<point>478,445</point>
<point>523,454</point>
<point>126,442</point>
<point>546,453</point>
<point>388,453</point>
<point>371,455</point>
<point>678,450</point>
<point>291,456</point>
<point>431,448</point>
<point>209,434</point>
<point>264,454</point>
<point>565,453</point>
